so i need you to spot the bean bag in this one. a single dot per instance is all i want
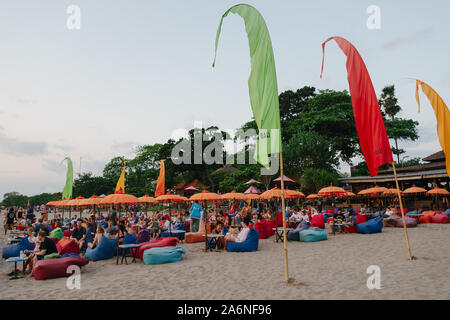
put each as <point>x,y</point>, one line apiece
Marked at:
<point>279,221</point>
<point>317,222</point>
<point>249,245</point>
<point>143,236</point>
<point>192,237</point>
<point>67,233</point>
<point>174,233</point>
<point>330,211</point>
<point>70,248</point>
<point>270,226</point>
<point>157,243</point>
<point>163,255</point>
<point>56,268</point>
<point>447,212</point>
<point>360,218</point>
<point>425,219</point>
<point>391,221</point>
<point>440,218</point>
<point>180,226</point>
<point>351,229</point>
<point>371,226</point>
<point>63,242</point>
<point>57,233</point>
<point>52,256</point>
<point>312,234</point>
<point>294,235</point>
<point>410,222</point>
<point>106,249</point>
<point>262,229</point>
<point>129,239</point>
<point>55,240</point>
<point>14,249</point>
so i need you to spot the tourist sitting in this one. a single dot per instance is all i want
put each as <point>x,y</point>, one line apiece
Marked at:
<point>98,236</point>
<point>46,246</point>
<point>296,216</point>
<point>339,218</point>
<point>389,212</point>
<point>79,234</point>
<point>242,236</point>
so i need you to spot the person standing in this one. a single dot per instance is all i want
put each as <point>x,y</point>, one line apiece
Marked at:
<point>196,213</point>
<point>10,219</point>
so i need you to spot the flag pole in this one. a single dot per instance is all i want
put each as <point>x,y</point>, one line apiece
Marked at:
<point>403,214</point>
<point>286,269</point>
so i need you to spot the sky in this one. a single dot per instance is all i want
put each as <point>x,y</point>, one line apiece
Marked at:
<point>138,71</point>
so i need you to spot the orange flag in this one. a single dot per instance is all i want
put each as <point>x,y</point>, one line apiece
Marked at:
<point>160,185</point>
<point>442,116</point>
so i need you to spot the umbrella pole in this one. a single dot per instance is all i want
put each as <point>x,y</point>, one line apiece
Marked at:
<point>283,208</point>
<point>403,214</point>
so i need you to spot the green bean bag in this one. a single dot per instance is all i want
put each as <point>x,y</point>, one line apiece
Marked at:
<point>163,255</point>
<point>52,256</point>
<point>313,235</point>
<point>57,233</point>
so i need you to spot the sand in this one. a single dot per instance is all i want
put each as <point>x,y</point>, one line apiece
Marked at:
<point>332,269</point>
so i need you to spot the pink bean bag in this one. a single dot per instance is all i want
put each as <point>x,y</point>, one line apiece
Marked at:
<point>160,242</point>
<point>410,222</point>
<point>440,218</point>
<point>270,225</point>
<point>317,221</point>
<point>263,229</point>
<point>56,268</point>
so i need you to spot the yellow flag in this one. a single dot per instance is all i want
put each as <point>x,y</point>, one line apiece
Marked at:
<point>121,182</point>
<point>442,116</point>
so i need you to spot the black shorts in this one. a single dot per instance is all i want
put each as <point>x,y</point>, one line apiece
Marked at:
<point>39,257</point>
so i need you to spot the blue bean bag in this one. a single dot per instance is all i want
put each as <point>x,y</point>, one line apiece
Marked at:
<point>106,249</point>
<point>180,226</point>
<point>128,239</point>
<point>179,235</point>
<point>163,255</point>
<point>295,234</point>
<point>249,245</point>
<point>447,212</point>
<point>312,235</point>
<point>371,226</point>
<point>14,249</point>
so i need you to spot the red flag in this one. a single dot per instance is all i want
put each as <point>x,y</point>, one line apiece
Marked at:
<point>369,122</point>
<point>160,185</point>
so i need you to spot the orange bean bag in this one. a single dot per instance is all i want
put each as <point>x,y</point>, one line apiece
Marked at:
<point>192,237</point>
<point>63,242</point>
<point>425,219</point>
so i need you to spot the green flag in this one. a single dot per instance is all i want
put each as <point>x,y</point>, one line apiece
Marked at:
<point>262,83</point>
<point>67,191</point>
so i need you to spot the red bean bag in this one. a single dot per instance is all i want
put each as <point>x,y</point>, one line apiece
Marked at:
<point>157,243</point>
<point>193,237</point>
<point>262,229</point>
<point>71,247</point>
<point>67,233</point>
<point>279,222</point>
<point>360,218</point>
<point>425,219</point>
<point>330,211</point>
<point>440,218</point>
<point>55,240</point>
<point>317,221</point>
<point>64,241</point>
<point>352,229</point>
<point>56,268</point>
<point>20,228</point>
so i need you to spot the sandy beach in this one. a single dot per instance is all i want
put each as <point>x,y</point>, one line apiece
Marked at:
<point>332,269</point>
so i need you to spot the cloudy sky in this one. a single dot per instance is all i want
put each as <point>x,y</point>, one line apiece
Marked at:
<point>137,71</point>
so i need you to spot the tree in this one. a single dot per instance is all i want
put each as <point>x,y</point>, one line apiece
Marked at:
<point>315,179</point>
<point>14,199</point>
<point>396,128</point>
<point>86,185</point>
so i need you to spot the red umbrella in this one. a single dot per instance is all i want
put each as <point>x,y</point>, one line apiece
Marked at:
<point>287,180</point>
<point>252,190</point>
<point>252,181</point>
<point>191,189</point>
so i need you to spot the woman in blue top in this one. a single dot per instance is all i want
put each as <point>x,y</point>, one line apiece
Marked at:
<point>196,214</point>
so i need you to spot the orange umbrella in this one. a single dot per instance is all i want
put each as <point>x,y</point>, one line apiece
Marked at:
<point>331,191</point>
<point>375,190</point>
<point>276,193</point>
<point>92,201</point>
<point>52,203</point>
<point>438,191</point>
<point>415,189</point>
<point>348,195</point>
<point>147,199</point>
<point>252,196</point>
<point>312,196</point>
<point>295,193</point>
<point>119,198</point>
<point>391,191</point>
<point>205,195</point>
<point>169,197</point>
<point>233,195</point>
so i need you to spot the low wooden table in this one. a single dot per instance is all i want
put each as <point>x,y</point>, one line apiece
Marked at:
<point>216,241</point>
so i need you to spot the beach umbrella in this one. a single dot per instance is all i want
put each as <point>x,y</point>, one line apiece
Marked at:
<point>252,181</point>
<point>287,180</point>
<point>119,197</point>
<point>391,191</point>
<point>191,189</point>
<point>436,191</point>
<point>91,201</point>
<point>312,196</point>
<point>331,191</point>
<point>252,196</point>
<point>348,195</point>
<point>414,191</point>
<point>373,191</point>
<point>252,190</point>
<point>233,195</point>
<point>147,199</point>
<point>276,193</point>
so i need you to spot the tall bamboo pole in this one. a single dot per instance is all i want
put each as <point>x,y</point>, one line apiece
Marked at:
<point>283,206</point>
<point>403,214</point>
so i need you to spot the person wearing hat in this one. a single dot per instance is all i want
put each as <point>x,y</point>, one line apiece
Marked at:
<point>79,234</point>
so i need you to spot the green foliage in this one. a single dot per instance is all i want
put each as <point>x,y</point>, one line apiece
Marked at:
<point>16,199</point>
<point>389,102</point>
<point>315,179</point>
<point>86,185</point>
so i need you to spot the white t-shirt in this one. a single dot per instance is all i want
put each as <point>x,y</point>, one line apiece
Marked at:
<point>242,236</point>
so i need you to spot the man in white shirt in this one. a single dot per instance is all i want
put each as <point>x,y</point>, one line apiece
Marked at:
<point>242,236</point>
<point>296,216</point>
